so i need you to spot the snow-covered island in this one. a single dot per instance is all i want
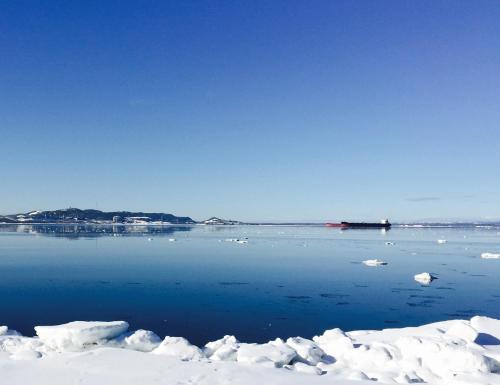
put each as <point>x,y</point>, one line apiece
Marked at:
<point>92,353</point>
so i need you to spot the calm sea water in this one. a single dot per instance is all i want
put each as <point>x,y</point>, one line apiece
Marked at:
<point>286,281</point>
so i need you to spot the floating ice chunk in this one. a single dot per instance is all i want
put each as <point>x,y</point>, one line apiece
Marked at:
<point>490,256</point>
<point>224,349</point>
<point>463,331</point>
<point>374,262</point>
<point>237,240</point>
<point>179,347</point>
<point>172,239</point>
<point>275,352</point>
<point>142,340</point>
<point>334,342</point>
<point>308,351</point>
<point>304,368</point>
<point>150,239</point>
<point>424,278</point>
<point>442,241</point>
<point>79,334</point>
<point>389,243</point>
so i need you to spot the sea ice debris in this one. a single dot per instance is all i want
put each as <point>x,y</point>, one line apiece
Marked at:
<point>142,340</point>
<point>374,262</point>
<point>179,347</point>
<point>308,351</point>
<point>334,342</point>
<point>442,241</point>
<point>79,334</point>
<point>276,352</point>
<point>224,349</point>
<point>424,278</point>
<point>490,256</point>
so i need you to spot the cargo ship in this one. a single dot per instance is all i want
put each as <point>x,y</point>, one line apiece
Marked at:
<point>383,224</point>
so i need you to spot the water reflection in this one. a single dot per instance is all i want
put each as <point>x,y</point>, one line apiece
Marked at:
<point>76,231</point>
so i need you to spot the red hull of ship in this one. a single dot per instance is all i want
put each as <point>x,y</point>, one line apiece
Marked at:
<point>340,225</point>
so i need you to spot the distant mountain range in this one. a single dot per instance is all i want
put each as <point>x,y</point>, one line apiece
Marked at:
<point>74,215</point>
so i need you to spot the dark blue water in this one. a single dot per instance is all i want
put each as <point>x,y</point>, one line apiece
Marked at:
<point>286,281</point>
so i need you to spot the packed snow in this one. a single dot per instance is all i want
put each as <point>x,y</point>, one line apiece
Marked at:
<point>449,352</point>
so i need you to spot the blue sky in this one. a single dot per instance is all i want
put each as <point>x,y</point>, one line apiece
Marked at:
<point>253,110</point>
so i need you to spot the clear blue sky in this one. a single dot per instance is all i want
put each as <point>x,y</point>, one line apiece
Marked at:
<point>253,110</point>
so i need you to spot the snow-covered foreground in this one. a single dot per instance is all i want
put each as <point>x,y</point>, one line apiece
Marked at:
<point>450,352</point>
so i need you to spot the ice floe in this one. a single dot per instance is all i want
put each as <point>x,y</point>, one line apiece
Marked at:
<point>490,256</point>
<point>448,352</point>
<point>441,241</point>
<point>374,262</point>
<point>237,240</point>
<point>424,278</point>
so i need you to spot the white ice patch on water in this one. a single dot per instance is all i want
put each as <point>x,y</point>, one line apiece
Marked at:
<point>424,278</point>
<point>374,262</point>
<point>490,256</point>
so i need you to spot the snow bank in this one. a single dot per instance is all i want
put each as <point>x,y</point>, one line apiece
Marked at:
<point>276,352</point>
<point>449,352</point>
<point>79,334</point>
